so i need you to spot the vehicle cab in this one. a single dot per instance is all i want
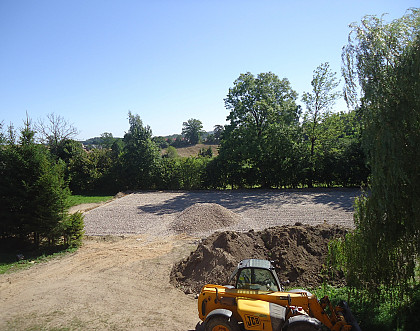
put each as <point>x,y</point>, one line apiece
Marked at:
<point>255,274</point>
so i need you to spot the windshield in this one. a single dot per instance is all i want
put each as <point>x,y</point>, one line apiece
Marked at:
<point>256,279</point>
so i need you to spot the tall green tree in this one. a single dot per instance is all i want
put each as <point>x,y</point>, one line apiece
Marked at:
<point>318,103</point>
<point>140,155</point>
<point>218,131</point>
<point>256,102</point>
<point>192,130</point>
<point>383,59</point>
<point>258,106</point>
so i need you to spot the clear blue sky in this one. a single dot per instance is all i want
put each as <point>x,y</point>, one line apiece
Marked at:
<point>167,61</point>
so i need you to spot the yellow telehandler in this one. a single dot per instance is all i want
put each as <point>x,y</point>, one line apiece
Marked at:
<point>257,301</point>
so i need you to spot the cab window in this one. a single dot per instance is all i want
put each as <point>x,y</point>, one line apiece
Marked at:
<point>256,279</point>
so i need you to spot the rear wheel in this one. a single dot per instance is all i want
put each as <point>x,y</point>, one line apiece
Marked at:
<point>221,323</point>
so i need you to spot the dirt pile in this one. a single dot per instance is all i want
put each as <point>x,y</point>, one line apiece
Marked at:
<point>299,253</point>
<point>203,217</point>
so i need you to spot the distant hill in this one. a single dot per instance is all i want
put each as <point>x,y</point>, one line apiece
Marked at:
<point>98,140</point>
<point>182,151</point>
<point>195,149</point>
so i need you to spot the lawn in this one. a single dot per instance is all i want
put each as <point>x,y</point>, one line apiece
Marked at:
<point>75,200</point>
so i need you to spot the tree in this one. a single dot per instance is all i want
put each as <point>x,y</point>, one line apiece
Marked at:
<point>339,158</point>
<point>171,152</point>
<point>318,103</point>
<point>205,152</point>
<point>258,107</point>
<point>107,140</point>
<point>169,177</point>
<point>55,130</point>
<point>192,130</point>
<point>162,142</point>
<point>68,148</point>
<point>2,135</point>
<point>383,59</point>
<point>178,142</point>
<point>255,102</point>
<point>218,131</point>
<point>191,172</point>
<point>140,155</point>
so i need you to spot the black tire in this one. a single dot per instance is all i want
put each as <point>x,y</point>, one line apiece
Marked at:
<point>302,327</point>
<point>222,323</point>
<point>302,323</point>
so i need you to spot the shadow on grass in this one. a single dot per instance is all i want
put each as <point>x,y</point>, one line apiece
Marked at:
<point>17,254</point>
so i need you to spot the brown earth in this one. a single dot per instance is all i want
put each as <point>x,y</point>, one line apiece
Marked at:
<point>122,282</point>
<point>298,253</point>
<point>110,283</point>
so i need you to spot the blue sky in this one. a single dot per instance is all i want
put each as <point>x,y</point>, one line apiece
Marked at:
<point>168,61</point>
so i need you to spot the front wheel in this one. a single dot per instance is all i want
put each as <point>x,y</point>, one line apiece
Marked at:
<point>302,323</point>
<point>221,323</point>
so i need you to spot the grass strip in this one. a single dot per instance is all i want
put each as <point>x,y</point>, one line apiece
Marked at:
<point>75,200</point>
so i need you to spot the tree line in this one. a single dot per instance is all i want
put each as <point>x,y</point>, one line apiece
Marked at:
<point>269,143</point>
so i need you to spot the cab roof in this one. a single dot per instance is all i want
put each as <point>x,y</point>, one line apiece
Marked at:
<point>255,263</point>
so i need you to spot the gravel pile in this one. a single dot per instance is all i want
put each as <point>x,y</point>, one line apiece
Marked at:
<point>204,217</point>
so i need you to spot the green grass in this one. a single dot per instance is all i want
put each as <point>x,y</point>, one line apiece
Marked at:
<point>75,200</point>
<point>9,263</point>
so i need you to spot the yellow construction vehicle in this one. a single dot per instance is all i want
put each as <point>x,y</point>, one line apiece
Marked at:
<point>257,301</point>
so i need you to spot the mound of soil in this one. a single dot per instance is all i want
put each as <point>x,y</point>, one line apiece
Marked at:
<point>298,252</point>
<point>203,217</point>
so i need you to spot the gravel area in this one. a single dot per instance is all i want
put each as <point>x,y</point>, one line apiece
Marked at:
<point>154,213</point>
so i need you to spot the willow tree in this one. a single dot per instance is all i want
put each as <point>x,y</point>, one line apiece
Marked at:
<point>381,66</point>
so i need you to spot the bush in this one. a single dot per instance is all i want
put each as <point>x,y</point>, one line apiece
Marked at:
<point>73,229</point>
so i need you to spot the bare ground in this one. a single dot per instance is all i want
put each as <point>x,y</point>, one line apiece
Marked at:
<point>119,278</point>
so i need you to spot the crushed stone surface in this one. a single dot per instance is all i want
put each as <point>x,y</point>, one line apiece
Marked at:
<point>200,213</point>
